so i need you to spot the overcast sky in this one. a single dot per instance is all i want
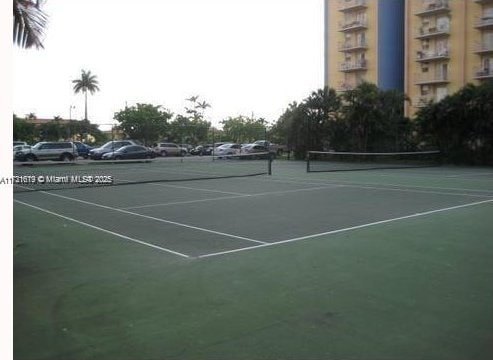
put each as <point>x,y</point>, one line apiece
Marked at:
<point>243,57</point>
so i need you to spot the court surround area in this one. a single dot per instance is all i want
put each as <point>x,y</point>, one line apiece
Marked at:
<point>375,264</point>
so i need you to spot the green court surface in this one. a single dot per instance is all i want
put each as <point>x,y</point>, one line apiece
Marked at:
<point>378,264</point>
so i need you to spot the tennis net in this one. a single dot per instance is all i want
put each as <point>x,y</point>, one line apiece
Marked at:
<point>35,176</point>
<point>320,161</point>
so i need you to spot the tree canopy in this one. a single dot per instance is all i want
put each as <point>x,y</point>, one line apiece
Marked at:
<point>86,83</point>
<point>461,125</point>
<point>145,122</point>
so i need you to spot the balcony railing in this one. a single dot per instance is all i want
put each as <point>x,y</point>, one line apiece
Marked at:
<point>483,48</point>
<point>427,32</point>
<point>432,55</point>
<point>353,25</point>
<point>350,5</point>
<point>437,78</point>
<point>345,86</point>
<point>484,23</point>
<point>483,73</point>
<point>359,65</point>
<point>352,46</point>
<point>422,101</point>
<point>434,8</point>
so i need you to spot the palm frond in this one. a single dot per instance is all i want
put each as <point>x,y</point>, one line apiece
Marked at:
<point>29,23</point>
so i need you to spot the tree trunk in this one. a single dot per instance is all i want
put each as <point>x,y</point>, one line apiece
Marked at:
<point>85,105</point>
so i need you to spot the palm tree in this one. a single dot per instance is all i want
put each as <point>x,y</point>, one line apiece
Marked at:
<point>29,23</point>
<point>86,83</point>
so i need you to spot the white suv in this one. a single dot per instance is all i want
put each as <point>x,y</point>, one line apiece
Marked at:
<point>62,151</point>
<point>168,149</point>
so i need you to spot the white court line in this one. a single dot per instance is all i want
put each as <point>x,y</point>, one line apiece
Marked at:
<point>231,197</point>
<point>192,188</point>
<point>154,218</point>
<point>397,187</point>
<point>103,230</point>
<point>464,176</point>
<point>346,229</point>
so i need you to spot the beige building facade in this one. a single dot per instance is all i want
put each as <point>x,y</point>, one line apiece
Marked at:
<point>426,48</point>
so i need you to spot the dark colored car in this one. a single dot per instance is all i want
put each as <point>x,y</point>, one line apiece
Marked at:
<point>200,150</point>
<point>110,146</point>
<point>82,149</point>
<point>130,152</point>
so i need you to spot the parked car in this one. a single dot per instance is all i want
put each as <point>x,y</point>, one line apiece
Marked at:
<point>227,149</point>
<point>261,150</point>
<point>19,143</point>
<point>169,149</point>
<point>83,149</point>
<point>22,149</point>
<point>186,147</point>
<point>199,150</point>
<point>110,146</point>
<point>272,148</point>
<point>130,152</point>
<point>46,150</point>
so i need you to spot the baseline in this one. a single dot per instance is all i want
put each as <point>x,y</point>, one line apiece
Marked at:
<point>103,230</point>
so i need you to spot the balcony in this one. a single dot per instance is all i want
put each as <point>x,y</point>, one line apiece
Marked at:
<point>359,65</point>
<point>484,23</point>
<point>483,74</point>
<point>436,7</point>
<point>352,46</point>
<point>353,26</point>
<point>425,56</point>
<point>424,33</point>
<point>422,101</point>
<point>483,48</point>
<point>352,5</point>
<point>430,79</point>
<point>345,86</point>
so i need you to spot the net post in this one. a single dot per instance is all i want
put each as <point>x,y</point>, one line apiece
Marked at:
<point>307,161</point>
<point>269,171</point>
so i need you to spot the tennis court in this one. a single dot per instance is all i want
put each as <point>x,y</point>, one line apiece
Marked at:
<point>378,264</point>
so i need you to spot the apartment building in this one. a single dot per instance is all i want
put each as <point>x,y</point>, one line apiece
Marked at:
<point>426,48</point>
<point>364,41</point>
<point>448,45</point>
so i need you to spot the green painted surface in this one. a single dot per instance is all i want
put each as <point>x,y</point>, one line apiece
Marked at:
<point>417,288</point>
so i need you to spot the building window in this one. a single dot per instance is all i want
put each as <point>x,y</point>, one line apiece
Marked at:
<point>425,44</point>
<point>441,92</point>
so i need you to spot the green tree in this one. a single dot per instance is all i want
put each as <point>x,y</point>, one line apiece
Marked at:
<point>460,125</point>
<point>52,131</point>
<point>86,83</point>
<point>83,130</point>
<point>29,23</point>
<point>309,125</point>
<point>243,129</point>
<point>188,130</point>
<point>145,122</point>
<point>374,119</point>
<point>23,130</point>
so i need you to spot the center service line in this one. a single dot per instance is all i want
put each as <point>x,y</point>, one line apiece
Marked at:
<point>154,218</point>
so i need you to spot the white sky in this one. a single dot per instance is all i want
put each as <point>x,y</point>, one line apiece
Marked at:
<point>241,56</point>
